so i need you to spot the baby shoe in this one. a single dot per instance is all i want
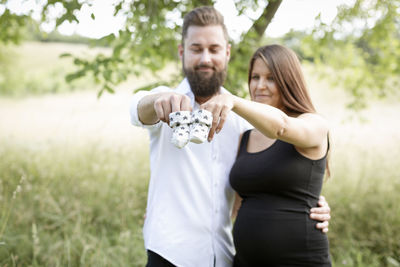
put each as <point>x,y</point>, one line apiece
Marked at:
<point>179,122</point>
<point>201,123</point>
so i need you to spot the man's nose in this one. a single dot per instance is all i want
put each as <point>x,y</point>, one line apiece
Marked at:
<point>205,57</point>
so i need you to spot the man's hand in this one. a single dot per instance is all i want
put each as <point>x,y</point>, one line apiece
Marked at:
<point>321,213</point>
<point>170,102</point>
<point>219,106</point>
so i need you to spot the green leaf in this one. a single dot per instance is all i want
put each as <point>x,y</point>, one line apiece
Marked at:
<point>73,76</point>
<point>118,8</point>
<point>100,93</point>
<point>107,39</point>
<point>65,55</point>
<point>150,86</point>
<point>109,89</point>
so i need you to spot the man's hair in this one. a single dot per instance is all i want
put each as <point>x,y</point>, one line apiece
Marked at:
<point>203,16</point>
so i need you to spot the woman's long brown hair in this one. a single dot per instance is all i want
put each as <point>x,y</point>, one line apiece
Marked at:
<point>285,68</point>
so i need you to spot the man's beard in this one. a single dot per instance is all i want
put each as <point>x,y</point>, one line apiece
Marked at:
<point>203,85</point>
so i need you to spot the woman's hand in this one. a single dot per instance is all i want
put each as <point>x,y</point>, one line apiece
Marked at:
<point>219,105</point>
<point>321,213</point>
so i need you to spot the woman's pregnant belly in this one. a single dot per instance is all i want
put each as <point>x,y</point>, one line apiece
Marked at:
<point>265,235</point>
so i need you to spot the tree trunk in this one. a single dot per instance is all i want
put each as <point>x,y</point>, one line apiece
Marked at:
<point>260,25</point>
<point>241,52</point>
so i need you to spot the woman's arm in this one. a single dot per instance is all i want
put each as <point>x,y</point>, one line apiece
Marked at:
<point>305,131</point>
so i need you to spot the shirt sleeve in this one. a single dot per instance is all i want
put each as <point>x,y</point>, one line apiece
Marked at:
<point>244,125</point>
<point>134,106</point>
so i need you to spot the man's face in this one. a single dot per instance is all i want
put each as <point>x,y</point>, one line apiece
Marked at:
<point>205,57</point>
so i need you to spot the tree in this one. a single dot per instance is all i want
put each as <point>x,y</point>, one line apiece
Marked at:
<point>149,38</point>
<point>365,59</point>
<point>12,25</point>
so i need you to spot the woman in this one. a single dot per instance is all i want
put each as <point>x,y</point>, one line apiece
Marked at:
<point>280,166</point>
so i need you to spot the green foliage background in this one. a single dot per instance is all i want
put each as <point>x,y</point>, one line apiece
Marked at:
<point>362,44</point>
<point>25,71</point>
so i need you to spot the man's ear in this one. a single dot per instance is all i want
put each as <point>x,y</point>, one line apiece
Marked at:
<point>228,51</point>
<point>180,51</point>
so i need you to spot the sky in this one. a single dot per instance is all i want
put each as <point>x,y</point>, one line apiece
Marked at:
<point>292,14</point>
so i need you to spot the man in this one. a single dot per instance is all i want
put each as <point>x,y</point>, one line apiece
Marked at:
<point>189,201</point>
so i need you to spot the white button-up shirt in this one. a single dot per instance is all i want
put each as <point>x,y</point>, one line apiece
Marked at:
<point>190,199</point>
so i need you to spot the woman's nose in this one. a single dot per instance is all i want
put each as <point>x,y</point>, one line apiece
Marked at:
<point>262,84</point>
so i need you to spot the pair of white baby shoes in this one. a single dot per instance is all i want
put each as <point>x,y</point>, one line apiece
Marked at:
<point>190,126</point>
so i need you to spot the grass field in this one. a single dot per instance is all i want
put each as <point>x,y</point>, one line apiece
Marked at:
<point>74,176</point>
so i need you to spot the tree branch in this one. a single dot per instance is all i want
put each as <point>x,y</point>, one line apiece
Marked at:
<point>260,25</point>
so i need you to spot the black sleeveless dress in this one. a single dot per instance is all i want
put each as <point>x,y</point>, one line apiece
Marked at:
<point>279,186</point>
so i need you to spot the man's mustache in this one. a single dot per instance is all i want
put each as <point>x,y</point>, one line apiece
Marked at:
<point>204,66</point>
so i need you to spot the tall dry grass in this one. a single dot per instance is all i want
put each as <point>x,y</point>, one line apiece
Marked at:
<point>85,173</point>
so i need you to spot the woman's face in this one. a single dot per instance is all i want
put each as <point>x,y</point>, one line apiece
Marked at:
<point>263,88</point>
